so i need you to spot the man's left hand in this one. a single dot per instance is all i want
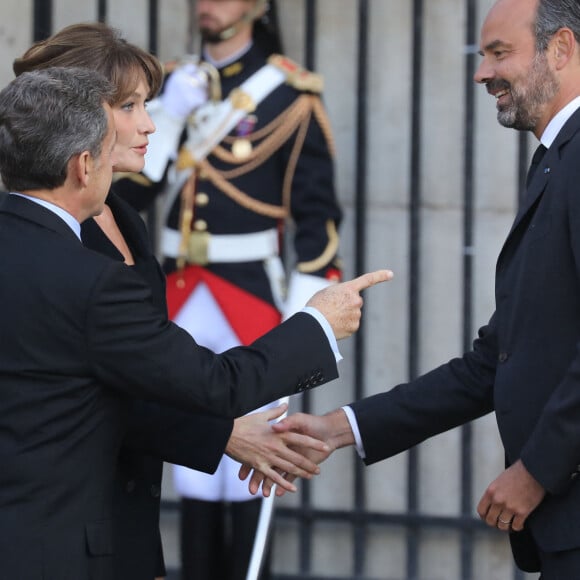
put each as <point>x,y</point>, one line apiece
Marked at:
<point>510,499</point>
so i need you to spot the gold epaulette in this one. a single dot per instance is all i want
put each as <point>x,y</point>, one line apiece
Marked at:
<point>297,76</point>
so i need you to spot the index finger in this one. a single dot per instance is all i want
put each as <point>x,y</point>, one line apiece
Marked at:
<point>370,279</point>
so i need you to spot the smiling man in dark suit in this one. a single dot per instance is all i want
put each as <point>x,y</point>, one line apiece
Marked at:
<point>80,336</point>
<point>525,364</point>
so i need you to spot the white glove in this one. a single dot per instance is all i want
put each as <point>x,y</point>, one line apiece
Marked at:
<point>185,90</point>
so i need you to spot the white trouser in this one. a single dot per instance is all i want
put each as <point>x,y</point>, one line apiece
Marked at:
<point>203,319</point>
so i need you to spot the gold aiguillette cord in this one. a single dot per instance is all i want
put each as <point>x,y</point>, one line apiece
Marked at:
<point>185,221</point>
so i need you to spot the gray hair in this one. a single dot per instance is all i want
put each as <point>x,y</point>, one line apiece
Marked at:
<point>553,15</point>
<point>46,118</point>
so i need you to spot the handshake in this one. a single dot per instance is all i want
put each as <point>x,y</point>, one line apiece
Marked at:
<point>278,453</point>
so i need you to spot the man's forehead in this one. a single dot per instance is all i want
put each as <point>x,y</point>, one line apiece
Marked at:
<point>507,24</point>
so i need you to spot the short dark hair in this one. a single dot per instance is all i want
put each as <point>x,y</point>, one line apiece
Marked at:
<point>553,15</point>
<point>47,117</point>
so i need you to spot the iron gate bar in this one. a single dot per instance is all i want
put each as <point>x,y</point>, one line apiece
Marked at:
<point>102,10</point>
<point>402,519</point>
<point>466,541</point>
<point>305,540</point>
<point>153,28</point>
<point>415,232</point>
<point>361,204</point>
<point>153,47</point>
<point>41,19</point>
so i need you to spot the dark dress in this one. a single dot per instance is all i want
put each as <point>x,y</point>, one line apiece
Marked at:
<point>155,433</point>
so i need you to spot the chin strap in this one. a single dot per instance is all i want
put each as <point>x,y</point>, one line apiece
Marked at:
<point>249,16</point>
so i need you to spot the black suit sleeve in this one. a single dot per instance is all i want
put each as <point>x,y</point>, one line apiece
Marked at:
<point>448,396</point>
<point>194,440</point>
<point>134,349</point>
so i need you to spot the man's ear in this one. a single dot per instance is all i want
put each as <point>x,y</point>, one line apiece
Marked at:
<point>563,46</point>
<point>81,167</point>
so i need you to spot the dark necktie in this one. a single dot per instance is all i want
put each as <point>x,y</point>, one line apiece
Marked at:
<point>536,160</point>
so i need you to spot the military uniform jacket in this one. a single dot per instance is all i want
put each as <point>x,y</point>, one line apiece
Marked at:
<point>525,364</point>
<point>242,195</point>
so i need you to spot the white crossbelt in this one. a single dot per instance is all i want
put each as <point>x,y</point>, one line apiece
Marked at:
<point>227,247</point>
<point>213,121</point>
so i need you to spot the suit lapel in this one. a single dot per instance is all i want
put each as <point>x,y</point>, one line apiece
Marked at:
<point>548,166</point>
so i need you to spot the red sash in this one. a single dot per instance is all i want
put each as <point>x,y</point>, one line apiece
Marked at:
<point>249,316</point>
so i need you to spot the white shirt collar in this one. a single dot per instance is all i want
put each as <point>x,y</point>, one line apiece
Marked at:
<point>559,120</point>
<point>72,223</point>
<point>232,58</point>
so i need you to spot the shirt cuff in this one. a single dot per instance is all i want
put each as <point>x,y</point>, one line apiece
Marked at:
<point>327,330</point>
<point>355,430</point>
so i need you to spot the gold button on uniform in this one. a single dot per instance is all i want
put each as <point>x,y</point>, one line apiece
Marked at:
<point>200,225</point>
<point>201,199</point>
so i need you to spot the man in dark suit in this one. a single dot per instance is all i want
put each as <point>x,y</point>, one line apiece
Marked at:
<point>80,336</point>
<point>525,364</point>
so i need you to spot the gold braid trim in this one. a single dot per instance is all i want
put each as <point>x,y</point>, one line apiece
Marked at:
<point>274,135</point>
<point>298,104</point>
<point>185,221</point>
<point>327,255</point>
<point>293,161</point>
<point>267,209</point>
<point>322,117</point>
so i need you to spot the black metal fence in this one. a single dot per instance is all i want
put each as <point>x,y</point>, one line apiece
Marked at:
<point>360,518</point>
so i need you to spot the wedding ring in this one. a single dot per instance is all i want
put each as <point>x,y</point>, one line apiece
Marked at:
<point>500,521</point>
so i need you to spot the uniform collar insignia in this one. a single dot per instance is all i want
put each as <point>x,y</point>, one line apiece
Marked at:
<point>233,69</point>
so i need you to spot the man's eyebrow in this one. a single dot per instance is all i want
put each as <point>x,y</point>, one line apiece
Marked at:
<point>492,46</point>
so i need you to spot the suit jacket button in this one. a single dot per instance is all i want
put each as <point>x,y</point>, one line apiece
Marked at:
<point>502,357</point>
<point>155,490</point>
<point>574,475</point>
<point>131,485</point>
